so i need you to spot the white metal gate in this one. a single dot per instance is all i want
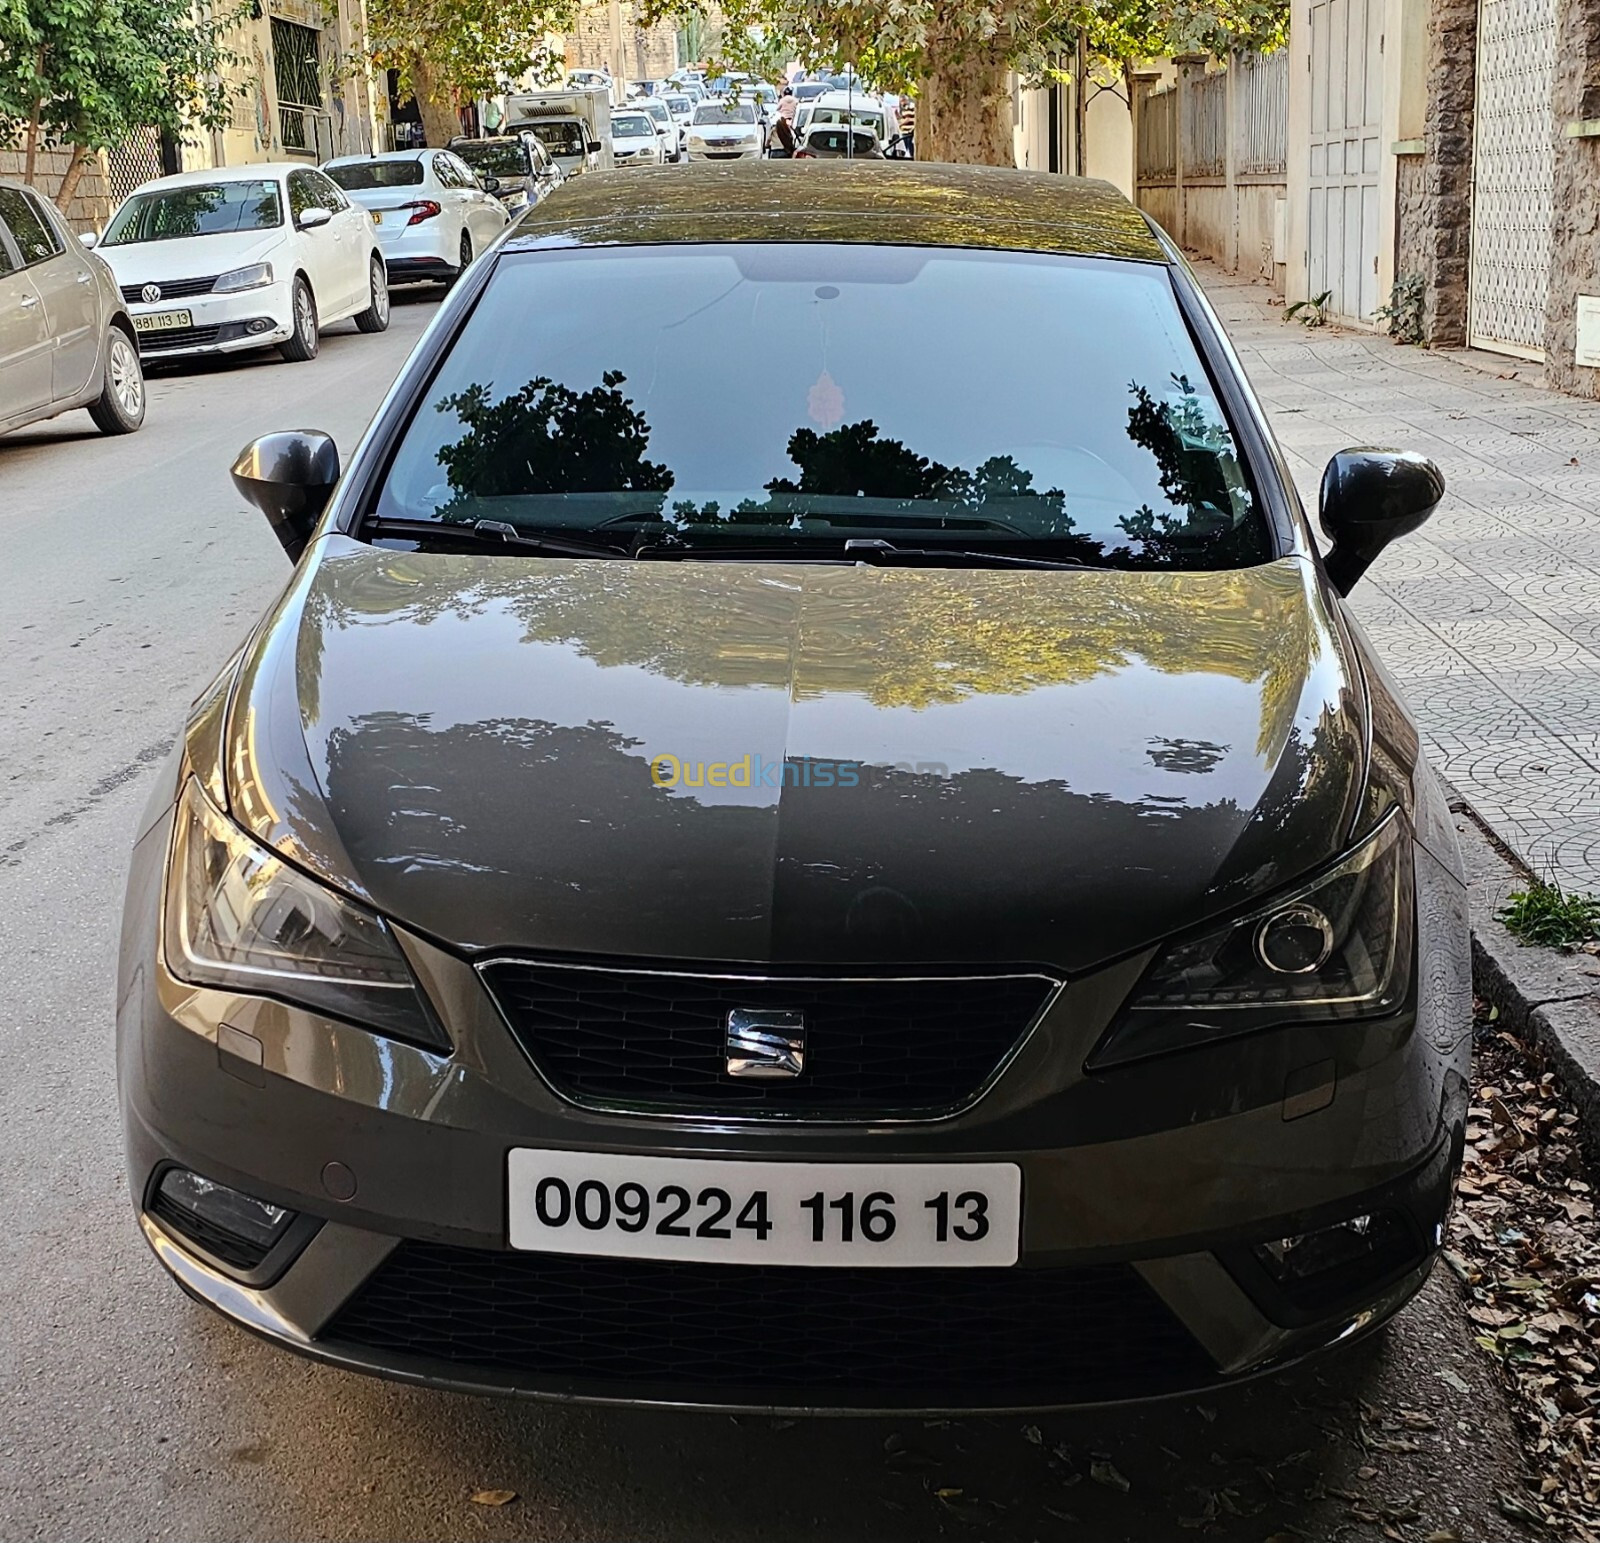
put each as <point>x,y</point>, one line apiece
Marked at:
<point>1513,156</point>
<point>1346,139</point>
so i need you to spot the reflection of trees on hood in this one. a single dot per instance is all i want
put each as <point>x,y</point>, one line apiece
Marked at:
<point>548,438</point>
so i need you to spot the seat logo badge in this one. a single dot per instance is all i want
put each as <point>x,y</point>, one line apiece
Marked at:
<point>150,293</point>
<point>765,1045</point>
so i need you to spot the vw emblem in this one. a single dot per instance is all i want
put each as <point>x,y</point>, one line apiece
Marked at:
<point>150,293</point>
<point>765,1045</point>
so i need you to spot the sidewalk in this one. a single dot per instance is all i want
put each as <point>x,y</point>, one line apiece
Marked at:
<point>1490,615</point>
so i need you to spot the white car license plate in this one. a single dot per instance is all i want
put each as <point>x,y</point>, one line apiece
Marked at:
<point>163,321</point>
<point>732,1212</point>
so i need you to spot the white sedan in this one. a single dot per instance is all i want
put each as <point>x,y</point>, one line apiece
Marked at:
<point>244,257</point>
<point>634,138</point>
<point>432,213</point>
<point>724,131</point>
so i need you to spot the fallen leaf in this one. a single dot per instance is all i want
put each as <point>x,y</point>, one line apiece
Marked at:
<point>494,1497</point>
<point>1103,1471</point>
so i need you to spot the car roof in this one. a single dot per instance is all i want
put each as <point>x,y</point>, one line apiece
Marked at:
<point>385,155</point>
<point>255,171</point>
<point>905,204</point>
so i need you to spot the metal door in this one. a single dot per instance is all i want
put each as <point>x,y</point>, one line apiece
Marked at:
<point>1513,164</point>
<point>1346,109</point>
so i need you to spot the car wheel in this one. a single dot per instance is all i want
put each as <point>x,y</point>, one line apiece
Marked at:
<point>119,409</point>
<point>376,316</point>
<point>464,259</point>
<point>303,345</point>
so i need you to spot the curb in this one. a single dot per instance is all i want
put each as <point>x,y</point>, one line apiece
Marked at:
<point>1549,997</point>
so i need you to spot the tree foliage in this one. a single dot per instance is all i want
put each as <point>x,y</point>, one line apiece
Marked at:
<point>450,51</point>
<point>86,73</point>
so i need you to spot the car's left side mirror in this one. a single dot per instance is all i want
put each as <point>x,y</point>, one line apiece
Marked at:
<point>491,184</point>
<point>1370,498</point>
<point>289,477</point>
<point>312,218</point>
<point>89,239</point>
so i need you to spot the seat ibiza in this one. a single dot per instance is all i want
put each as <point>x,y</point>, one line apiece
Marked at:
<point>895,883</point>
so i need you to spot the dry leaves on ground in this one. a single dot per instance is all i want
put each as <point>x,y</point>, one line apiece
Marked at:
<point>1524,1240</point>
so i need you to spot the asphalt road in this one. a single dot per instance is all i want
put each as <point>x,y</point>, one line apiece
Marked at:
<point>131,569</point>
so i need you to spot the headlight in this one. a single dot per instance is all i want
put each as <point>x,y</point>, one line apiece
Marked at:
<point>239,917</point>
<point>1338,947</point>
<point>252,277</point>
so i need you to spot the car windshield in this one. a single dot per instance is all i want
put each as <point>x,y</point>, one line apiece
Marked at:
<point>564,137</point>
<point>631,125</point>
<point>498,158</point>
<point>1026,404</point>
<point>201,209</point>
<point>658,110</point>
<point>678,106</point>
<point>730,112</point>
<point>839,141</point>
<point>365,176</point>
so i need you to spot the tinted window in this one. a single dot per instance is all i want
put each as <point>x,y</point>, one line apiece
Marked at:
<point>498,158</point>
<point>838,142</point>
<point>328,193</point>
<point>732,112</point>
<point>562,138</point>
<point>903,408</point>
<point>363,176</point>
<point>205,209</point>
<point>35,237</point>
<point>658,111</point>
<point>8,264</point>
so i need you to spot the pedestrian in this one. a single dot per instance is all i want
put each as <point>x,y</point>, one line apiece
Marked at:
<point>908,126</point>
<point>781,142</point>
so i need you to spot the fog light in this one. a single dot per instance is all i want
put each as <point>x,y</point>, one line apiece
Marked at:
<point>260,324</point>
<point>1295,940</point>
<point>228,1224</point>
<point>1318,1268</point>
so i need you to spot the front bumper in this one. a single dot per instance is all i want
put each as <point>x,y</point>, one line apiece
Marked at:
<point>220,324</point>
<point>1144,1191</point>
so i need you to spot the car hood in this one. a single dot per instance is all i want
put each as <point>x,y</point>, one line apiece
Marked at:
<point>146,262</point>
<point>1048,766</point>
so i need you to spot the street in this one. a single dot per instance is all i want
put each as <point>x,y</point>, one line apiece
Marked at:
<point>133,569</point>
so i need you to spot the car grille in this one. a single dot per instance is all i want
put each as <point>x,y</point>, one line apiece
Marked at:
<point>951,1338</point>
<point>179,337</point>
<point>171,289</point>
<point>657,1039</point>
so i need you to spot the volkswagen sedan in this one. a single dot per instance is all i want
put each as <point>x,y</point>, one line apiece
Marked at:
<point>922,898</point>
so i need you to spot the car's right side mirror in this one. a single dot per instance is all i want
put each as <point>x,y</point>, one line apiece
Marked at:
<point>595,147</point>
<point>1370,498</point>
<point>313,218</point>
<point>289,477</point>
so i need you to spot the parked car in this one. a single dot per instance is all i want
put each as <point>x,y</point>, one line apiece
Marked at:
<point>666,128</point>
<point>432,214</point>
<point>634,138</point>
<point>681,105</point>
<point>853,108</point>
<point>244,257</point>
<point>724,130</point>
<point>827,142</point>
<point>515,168</point>
<point>66,337</point>
<point>928,901</point>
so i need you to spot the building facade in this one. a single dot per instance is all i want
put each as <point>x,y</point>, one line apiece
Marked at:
<point>611,36</point>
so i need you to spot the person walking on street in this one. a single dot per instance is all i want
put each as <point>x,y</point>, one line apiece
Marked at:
<point>908,125</point>
<point>781,142</point>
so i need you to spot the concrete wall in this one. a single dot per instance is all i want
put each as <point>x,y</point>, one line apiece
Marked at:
<point>1107,141</point>
<point>91,204</point>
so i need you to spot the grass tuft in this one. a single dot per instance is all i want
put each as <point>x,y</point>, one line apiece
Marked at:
<point>1546,914</point>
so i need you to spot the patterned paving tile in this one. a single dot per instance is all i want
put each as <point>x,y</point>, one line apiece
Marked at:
<point>1491,617</point>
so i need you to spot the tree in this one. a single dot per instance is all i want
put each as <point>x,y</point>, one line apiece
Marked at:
<point>87,73</point>
<point>957,55</point>
<point>448,52</point>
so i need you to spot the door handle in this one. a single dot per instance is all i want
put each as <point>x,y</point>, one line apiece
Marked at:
<point>83,278</point>
<point>28,302</point>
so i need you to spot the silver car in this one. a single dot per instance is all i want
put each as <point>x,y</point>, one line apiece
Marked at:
<point>66,340</point>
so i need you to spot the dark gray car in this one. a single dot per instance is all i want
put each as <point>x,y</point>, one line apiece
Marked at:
<point>66,339</point>
<point>891,880</point>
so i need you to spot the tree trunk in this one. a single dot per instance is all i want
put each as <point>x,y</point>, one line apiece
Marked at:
<point>436,101</point>
<point>964,112</point>
<point>69,183</point>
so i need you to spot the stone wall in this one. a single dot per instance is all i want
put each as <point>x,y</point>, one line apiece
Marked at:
<point>1442,229</point>
<point>1575,228</point>
<point>91,204</point>
<point>648,53</point>
<point>1410,225</point>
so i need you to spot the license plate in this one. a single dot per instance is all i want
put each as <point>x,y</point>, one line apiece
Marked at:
<point>731,1212</point>
<point>163,321</point>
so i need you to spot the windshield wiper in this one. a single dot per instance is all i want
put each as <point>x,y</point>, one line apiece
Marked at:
<point>491,533</point>
<point>886,552</point>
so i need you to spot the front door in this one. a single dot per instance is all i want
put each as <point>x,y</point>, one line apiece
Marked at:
<point>1346,143</point>
<point>24,342</point>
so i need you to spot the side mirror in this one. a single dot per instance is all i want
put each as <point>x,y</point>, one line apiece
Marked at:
<point>89,239</point>
<point>1370,498</point>
<point>289,477</point>
<point>595,147</point>
<point>313,218</point>
<point>490,184</point>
